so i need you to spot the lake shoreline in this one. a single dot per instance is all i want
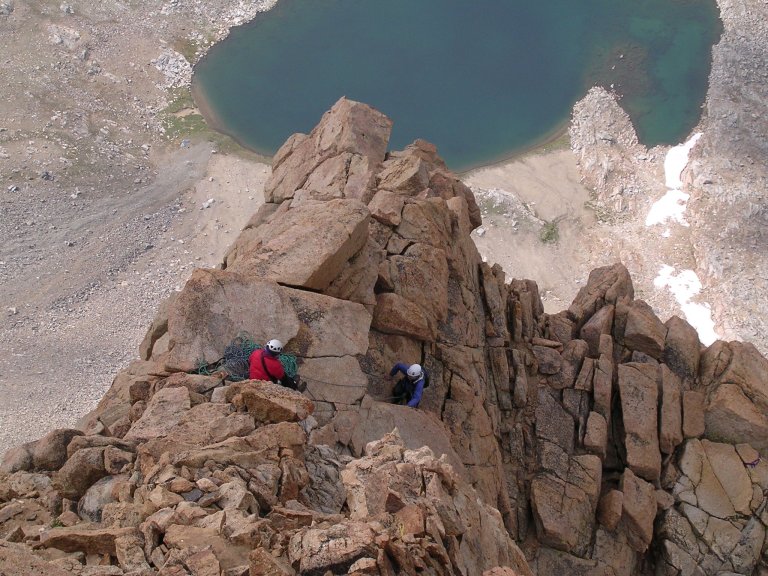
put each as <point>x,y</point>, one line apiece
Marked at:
<point>550,143</point>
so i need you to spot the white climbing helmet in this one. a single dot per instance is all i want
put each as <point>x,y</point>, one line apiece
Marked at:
<point>414,372</point>
<point>275,346</point>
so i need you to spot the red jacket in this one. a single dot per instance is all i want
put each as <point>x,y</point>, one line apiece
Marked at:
<point>275,368</point>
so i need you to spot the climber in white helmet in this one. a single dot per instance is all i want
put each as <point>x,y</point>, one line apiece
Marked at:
<point>410,387</point>
<point>264,364</point>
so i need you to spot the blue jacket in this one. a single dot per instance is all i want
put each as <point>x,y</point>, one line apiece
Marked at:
<point>418,385</point>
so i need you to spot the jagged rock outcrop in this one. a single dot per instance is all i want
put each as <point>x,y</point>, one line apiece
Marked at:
<point>602,439</point>
<point>612,161</point>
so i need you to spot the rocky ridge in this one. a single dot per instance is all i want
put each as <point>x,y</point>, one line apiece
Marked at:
<point>95,202</point>
<point>601,439</point>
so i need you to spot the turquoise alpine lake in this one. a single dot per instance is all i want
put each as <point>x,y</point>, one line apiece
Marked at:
<point>481,79</point>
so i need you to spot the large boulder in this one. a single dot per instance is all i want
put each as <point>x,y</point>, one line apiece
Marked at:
<point>17,560</point>
<point>735,378</point>
<point>564,502</point>
<point>89,539</point>
<point>682,348</point>
<point>164,411</point>
<point>639,391</point>
<point>215,306</point>
<point>269,403</point>
<point>638,510</point>
<point>306,247</point>
<point>345,148</point>
<point>606,285</point>
<point>644,331</point>
<point>80,472</point>
<point>47,454</point>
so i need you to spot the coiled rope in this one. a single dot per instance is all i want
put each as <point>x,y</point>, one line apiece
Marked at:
<point>235,360</point>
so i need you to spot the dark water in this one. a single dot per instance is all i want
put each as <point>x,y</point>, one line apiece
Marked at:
<point>479,78</point>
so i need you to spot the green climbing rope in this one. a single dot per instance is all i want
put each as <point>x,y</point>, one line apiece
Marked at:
<point>235,360</point>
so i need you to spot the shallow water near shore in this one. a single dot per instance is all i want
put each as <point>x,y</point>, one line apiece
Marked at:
<point>480,79</point>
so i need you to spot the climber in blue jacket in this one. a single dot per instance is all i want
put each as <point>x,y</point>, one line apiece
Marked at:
<point>410,387</point>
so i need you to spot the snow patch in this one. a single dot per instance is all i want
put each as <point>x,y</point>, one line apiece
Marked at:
<point>676,161</point>
<point>684,286</point>
<point>670,207</point>
<point>673,204</point>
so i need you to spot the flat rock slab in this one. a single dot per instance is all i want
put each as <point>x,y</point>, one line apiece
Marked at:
<point>639,400</point>
<point>268,402</point>
<point>20,561</point>
<point>76,538</point>
<point>217,305</point>
<point>164,411</point>
<point>307,246</point>
<point>735,376</point>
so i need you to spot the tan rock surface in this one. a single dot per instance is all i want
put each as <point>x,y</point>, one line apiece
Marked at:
<point>639,393</point>
<point>735,376</point>
<point>216,306</point>
<point>307,246</point>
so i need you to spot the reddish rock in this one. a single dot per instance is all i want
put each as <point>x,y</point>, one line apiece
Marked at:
<point>664,500</point>
<point>50,452</point>
<point>94,441</point>
<point>564,511</point>
<point>638,510</point>
<point>80,472</point>
<point>731,474</point>
<point>682,348</point>
<point>560,327</point>
<point>262,563</point>
<point>606,285</point>
<point>203,563</point>
<point>586,375</point>
<point>163,412</point>
<point>307,247</point>
<point>596,438</point>
<point>396,315</point>
<point>197,383</point>
<point>420,275</point>
<point>81,539</point>
<point>216,305</point>
<point>671,428</point>
<point>573,357</point>
<point>693,414</point>
<point>17,459</point>
<point>17,560</point>
<point>610,508</point>
<point>117,461</point>
<point>350,129</point>
<point>644,331</point>
<point>549,359</point>
<point>129,552</point>
<point>318,551</point>
<point>601,323</point>
<point>735,379</point>
<point>639,398</point>
<point>407,175</point>
<point>602,386</point>
<point>553,423</point>
<point>268,402</point>
<point>387,207</point>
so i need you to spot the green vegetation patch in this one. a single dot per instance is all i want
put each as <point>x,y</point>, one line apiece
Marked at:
<point>549,234</point>
<point>182,120</point>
